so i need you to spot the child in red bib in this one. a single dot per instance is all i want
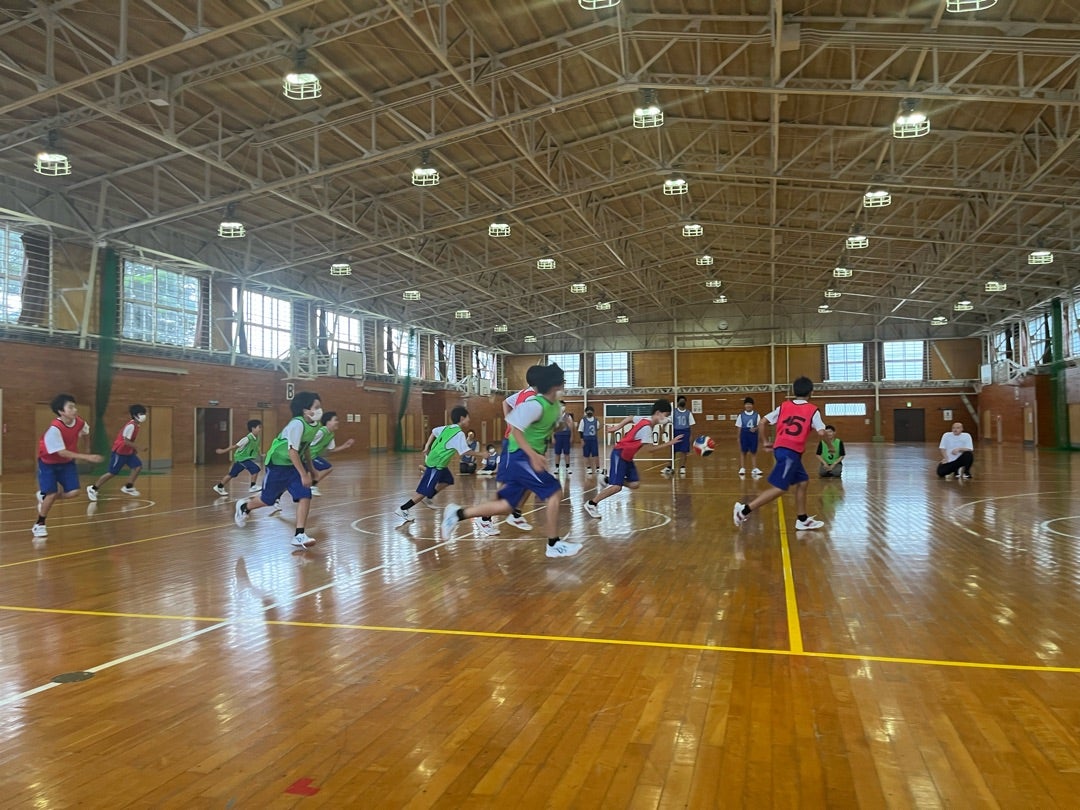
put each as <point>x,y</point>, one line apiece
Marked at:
<point>58,450</point>
<point>794,421</point>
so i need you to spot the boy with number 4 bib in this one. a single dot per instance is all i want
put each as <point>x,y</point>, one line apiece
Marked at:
<point>794,420</point>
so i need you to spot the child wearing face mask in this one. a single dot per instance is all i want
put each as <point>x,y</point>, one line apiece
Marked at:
<point>288,466</point>
<point>622,472</point>
<point>124,454</point>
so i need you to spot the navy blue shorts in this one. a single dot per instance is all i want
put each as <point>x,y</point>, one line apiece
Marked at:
<point>431,478</point>
<point>249,464</point>
<point>281,479</point>
<point>50,475</point>
<point>504,460</point>
<point>590,447</point>
<point>321,464</point>
<point>788,468</point>
<point>748,441</point>
<point>117,462</point>
<point>683,443</point>
<point>562,443</point>
<point>620,471</point>
<point>520,477</point>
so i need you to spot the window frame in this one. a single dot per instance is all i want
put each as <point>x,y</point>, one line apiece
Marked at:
<point>572,369</point>
<point>905,361</point>
<point>266,330</point>
<point>165,320</point>
<point>845,363</point>
<point>12,273</point>
<point>611,369</point>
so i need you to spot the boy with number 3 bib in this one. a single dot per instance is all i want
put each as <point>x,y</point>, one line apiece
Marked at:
<point>794,420</point>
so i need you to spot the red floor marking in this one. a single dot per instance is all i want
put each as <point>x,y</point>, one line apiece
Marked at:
<point>302,787</point>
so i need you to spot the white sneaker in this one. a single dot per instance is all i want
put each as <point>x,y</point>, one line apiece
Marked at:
<point>276,507</point>
<point>588,470</point>
<point>315,490</point>
<point>563,549</point>
<point>965,472</point>
<point>220,490</point>
<point>738,516</point>
<point>519,523</point>
<point>303,541</point>
<point>449,521</point>
<point>430,504</point>
<point>756,472</point>
<point>667,471</point>
<point>91,493</point>
<point>948,476</point>
<point>682,470</point>
<point>591,509</point>
<point>402,515</point>
<point>255,488</point>
<point>486,527</point>
<point>809,523</point>
<point>127,490</point>
<point>39,530</point>
<point>240,517</point>
<point>742,470</point>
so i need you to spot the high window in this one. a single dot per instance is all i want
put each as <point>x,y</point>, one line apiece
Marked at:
<point>904,359</point>
<point>486,366</point>
<point>159,306</point>
<point>267,325</point>
<point>612,369</point>
<point>845,362</point>
<point>571,366</point>
<point>12,264</point>
<point>404,353</point>
<point>342,332</point>
<point>845,409</point>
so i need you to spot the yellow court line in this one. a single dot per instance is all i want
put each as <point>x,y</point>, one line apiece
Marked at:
<point>794,628</point>
<point>615,642</point>
<point>111,545</point>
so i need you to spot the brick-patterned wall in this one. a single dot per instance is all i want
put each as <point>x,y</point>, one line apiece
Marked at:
<point>1004,405</point>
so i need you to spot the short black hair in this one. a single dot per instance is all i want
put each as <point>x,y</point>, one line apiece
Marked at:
<point>549,377</point>
<point>490,447</point>
<point>59,401</point>
<point>458,413</point>
<point>532,374</point>
<point>302,402</point>
<point>253,423</point>
<point>681,400</point>
<point>135,410</point>
<point>830,427</point>
<point>802,387</point>
<point>589,409</point>
<point>662,405</point>
<point>327,416</point>
<point>748,400</point>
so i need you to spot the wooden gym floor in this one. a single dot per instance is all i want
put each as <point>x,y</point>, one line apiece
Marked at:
<point>921,651</point>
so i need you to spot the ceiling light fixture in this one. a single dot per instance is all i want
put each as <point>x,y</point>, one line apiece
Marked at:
<point>622,319</point>
<point>831,293</point>
<point>545,264</point>
<point>939,320</point>
<point>996,286</point>
<point>50,162</point>
<point>649,114</point>
<point>713,283</point>
<point>878,198</point>
<point>462,315</point>
<point>910,123</point>
<point>498,229</point>
<point>530,338</point>
<point>674,186</point>
<point>579,287</point>
<point>424,174</point>
<point>411,295</point>
<point>341,269</point>
<point>824,309</point>
<point>603,306</point>
<point>960,6</point>
<point>857,241</point>
<point>841,272</point>
<point>230,227</point>
<point>593,5</point>
<point>500,328</point>
<point>1041,256</point>
<point>720,299</point>
<point>704,260</point>
<point>691,229</point>
<point>300,84</point>
<point>963,306</point>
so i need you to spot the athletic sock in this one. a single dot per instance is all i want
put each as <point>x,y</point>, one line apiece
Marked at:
<point>803,518</point>
<point>244,508</point>
<point>299,530</point>
<point>592,502</point>
<point>746,510</point>
<point>40,521</point>
<point>461,515</point>
<point>553,540</point>
<point>517,514</point>
<point>405,507</point>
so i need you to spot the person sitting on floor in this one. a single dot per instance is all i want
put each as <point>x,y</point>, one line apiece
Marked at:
<point>957,453</point>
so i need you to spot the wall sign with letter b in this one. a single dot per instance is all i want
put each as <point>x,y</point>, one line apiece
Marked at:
<point>290,391</point>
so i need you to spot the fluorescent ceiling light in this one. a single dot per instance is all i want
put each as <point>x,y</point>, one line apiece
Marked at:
<point>841,272</point>
<point>857,241</point>
<point>878,198</point>
<point>411,295</point>
<point>299,86</point>
<point>462,314</point>
<point>996,286</point>
<point>692,229</point>
<point>674,186</point>
<point>498,229</point>
<point>579,287</point>
<point>705,260</point>
<point>545,264</point>
<point>1040,257</point>
<point>963,306</point>
<point>341,269</point>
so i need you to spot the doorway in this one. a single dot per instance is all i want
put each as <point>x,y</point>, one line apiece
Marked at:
<point>159,441</point>
<point>211,432</point>
<point>909,425</point>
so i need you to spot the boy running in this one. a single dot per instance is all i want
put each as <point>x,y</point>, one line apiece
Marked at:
<point>516,519</point>
<point>324,443</point>
<point>795,418</point>
<point>621,470</point>
<point>531,423</point>
<point>124,454</point>
<point>245,457</point>
<point>57,454</point>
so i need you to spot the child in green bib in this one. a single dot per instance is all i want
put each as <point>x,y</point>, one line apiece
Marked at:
<point>322,444</point>
<point>444,442</point>
<point>830,453</point>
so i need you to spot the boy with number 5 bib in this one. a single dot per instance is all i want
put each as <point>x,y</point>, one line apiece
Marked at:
<point>794,420</point>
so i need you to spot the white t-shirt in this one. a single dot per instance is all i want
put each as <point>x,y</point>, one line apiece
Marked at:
<point>293,434</point>
<point>512,399</point>
<point>525,414</point>
<point>644,434</point>
<point>128,432</point>
<point>816,423</point>
<point>241,442</point>
<point>746,419</point>
<point>54,439</point>
<point>457,442</point>
<point>954,445</point>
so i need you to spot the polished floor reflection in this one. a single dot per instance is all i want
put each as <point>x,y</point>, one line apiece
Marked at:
<point>919,651</point>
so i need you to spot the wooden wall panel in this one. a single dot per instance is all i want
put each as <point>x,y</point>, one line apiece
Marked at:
<point>799,361</point>
<point>652,369</point>
<point>963,358</point>
<point>706,367</point>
